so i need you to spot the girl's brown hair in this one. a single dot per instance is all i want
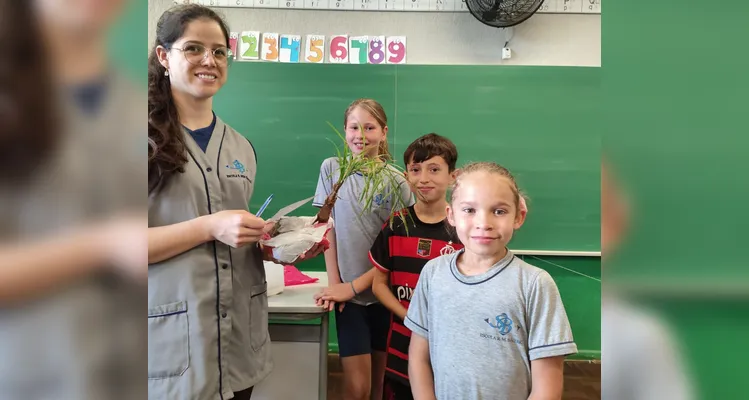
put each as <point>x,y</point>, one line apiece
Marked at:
<point>378,112</point>
<point>489,167</point>
<point>29,115</point>
<point>166,146</point>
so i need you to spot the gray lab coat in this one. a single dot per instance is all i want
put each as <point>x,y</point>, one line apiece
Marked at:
<point>207,307</point>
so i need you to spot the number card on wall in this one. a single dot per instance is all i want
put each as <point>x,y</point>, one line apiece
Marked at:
<point>314,51</point>
<point>249,45</point>
<point>291,46</point>
<point>233,37</point>
<point>339,49</point>
<point>358,46</point>
<point>396,50</point>
<point>270,47</point>
<point>376,53</point>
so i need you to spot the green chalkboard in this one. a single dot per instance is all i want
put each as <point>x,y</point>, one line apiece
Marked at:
<point>540,122</point>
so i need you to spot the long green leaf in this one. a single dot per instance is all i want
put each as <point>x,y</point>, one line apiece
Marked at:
<point>380,177</point>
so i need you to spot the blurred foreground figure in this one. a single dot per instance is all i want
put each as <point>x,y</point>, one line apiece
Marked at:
<point>73,244</point>
<point>640,360</point>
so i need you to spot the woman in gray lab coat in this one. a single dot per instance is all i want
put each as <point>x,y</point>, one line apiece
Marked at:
<point>207,304</point>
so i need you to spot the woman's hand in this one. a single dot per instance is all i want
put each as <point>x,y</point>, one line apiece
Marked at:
<point>236,228</point>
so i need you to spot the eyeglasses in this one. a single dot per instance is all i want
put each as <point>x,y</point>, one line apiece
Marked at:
<point>196,53</point>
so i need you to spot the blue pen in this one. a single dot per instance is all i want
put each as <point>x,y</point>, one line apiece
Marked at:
<point>265,205</point>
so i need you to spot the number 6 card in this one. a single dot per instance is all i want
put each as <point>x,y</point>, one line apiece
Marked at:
<point>338,49</point>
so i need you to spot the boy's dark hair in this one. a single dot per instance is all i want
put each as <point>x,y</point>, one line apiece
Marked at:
<point>431,145</point>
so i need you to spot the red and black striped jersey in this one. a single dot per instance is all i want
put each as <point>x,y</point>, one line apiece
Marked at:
<point>403,254</point>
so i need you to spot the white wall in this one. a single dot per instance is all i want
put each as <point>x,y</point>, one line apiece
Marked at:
<point>433,37</point>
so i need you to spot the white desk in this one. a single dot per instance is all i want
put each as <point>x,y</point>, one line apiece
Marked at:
<point>291,342</point>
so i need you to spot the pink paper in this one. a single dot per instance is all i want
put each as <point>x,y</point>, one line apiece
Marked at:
<point>292,276</point>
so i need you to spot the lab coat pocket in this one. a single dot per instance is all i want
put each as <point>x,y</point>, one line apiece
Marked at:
<point>168,341</point>
<point>258,316</point>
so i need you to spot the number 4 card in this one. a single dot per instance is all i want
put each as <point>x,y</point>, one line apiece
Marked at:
<point>291,46</point>
<point>339,49</point>
<point>314,51</point>
<point>396,50</point>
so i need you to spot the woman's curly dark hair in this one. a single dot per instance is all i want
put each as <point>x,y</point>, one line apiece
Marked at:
<point>166,146</point>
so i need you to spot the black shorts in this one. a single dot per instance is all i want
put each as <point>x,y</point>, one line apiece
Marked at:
<point>362,329</point>
<point>394,389</point>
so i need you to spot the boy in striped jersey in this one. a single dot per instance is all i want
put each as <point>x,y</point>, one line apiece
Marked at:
<point>399,253</point>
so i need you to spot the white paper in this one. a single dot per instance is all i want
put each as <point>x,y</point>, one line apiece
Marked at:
<point>296,235</point>
<point>291,207</point>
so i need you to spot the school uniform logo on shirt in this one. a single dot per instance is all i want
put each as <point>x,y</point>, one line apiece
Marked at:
<point>236,165</point>
<point>239,167</point>
<point>424,248</point>
<point>502,323</point>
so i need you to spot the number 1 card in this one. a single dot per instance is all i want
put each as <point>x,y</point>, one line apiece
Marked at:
<point>233,38</point>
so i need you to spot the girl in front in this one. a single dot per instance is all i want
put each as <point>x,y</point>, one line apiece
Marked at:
<point>362,323</point>
<point>486,325</point>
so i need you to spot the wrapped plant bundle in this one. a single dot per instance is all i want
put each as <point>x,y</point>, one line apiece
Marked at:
<point>293,236</point>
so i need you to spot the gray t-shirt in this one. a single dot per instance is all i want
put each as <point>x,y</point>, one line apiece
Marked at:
<point>356,231</point>
<point>484,330</point>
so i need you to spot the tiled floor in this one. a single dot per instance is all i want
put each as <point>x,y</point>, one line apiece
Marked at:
<point>582,380</point>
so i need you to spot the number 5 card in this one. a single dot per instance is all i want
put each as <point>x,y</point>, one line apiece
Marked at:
<point>314,51</point>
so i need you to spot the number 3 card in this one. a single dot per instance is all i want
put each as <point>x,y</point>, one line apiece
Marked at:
<point>270,47</point>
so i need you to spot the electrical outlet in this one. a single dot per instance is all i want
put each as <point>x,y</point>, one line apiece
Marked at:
<point>506,53</point>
